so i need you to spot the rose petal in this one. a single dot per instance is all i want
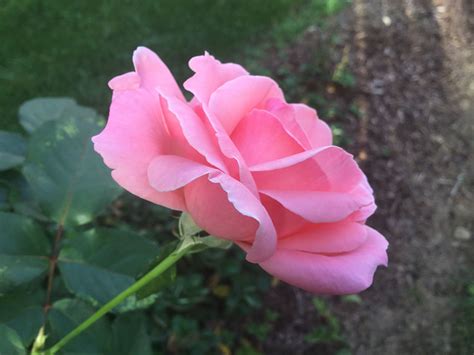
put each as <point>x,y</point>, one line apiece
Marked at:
<point>285,222</point>
<point>317,131</point>
<point>127,81</point>
<point>286,114</point>
<point>209,75</point>
<point>154,74</point>
<point>363,213</point>
<point>317,206</point>
<point>345,273</point>
<point>229,149</point>
<point>194,131</point>
<point>331,238</point>
<point>236,98</point>
<point>171,172</point>
<point>133,136</point>
<point>322,169</point>
<point>340,168</point>
<point>286,162</point>
<point>227,209</point>
<point>260,137</point>
<point>295,172</point>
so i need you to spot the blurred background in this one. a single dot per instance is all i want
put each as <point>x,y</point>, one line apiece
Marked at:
<point>395,81</point>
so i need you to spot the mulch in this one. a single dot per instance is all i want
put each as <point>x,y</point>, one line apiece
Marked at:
<point>413,62</point>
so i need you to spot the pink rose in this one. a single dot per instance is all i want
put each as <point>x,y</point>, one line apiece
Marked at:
<point>248,167</point>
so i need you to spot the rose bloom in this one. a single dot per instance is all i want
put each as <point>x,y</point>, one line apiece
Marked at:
<point>248,167</point>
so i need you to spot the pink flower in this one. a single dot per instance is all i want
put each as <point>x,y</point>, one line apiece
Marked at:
<point>248,167</point>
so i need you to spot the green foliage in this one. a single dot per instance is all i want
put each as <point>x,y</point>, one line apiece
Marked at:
<point>65,185</point>
<point>11,342</point>
<point>330,331</point>
<point>462,341</point>
<point>23,312</point>
<point>339,137</point>
<point>99,264</point>
<point>65,315</point>
<point>12,150</point>
<point>308,13</point>
<point>67,178</point>
<point>352,299</point>
<point>34,113</point>
<point>23,252</point>
<point>344,77</point>
<point>130,335</point>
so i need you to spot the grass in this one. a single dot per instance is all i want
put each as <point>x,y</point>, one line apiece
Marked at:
<point>57,48</point>
<point>463,342</point>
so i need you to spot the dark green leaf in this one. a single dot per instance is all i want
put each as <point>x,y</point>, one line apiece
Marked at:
<point>23,312</point>
<point>117,250</point>
<point>12,150</point>
<point>130,336</point>
<point>64,316</point>
<point>93,283</point>
<point>34,113</point>
<point>67,177</point>
<point>19,195</point>
<point>4,203</point>
<point>98,265</point>
<point>24,251</point>
<point>17,271</point>
<point>21,236</point>
<point>10,342</point>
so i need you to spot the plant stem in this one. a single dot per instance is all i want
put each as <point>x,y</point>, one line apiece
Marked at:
<point>53,260</point>
<point>185,245</point>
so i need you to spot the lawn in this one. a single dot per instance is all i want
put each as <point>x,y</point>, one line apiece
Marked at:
<point>57,48</point>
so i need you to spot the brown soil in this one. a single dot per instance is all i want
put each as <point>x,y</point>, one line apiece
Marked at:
<point>414,64</point>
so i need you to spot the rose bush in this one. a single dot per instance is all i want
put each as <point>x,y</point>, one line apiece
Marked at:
<point>248,167</point>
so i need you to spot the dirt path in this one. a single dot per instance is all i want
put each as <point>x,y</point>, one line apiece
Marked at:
<point>415,71</point>
<point>414,64</point>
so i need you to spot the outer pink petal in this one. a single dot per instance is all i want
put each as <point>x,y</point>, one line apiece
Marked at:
<point>194,131</point>
<point>154,74</point>
<point>226,209</point>
<point>317,206</point>
<point>286,222</point>
<point>127,81</point>
<point>133,136</point>
<point>318,132</point>
<point>295,172</point>
<point>326,238</point>
<point>322,169</point>
<point>171,172</point>
<point>364,213</point>
<point>229,149</point>
<point>340,168</point>
<point>211,209</point>
<point>345,273</point>
<point>287,116</point>
<point>261,137</point>
<point>209,75</point>
<point>236,98</point>
<point>364,189</point>
<point>287,162</point>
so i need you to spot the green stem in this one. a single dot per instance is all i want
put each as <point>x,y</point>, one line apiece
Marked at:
<point>185,245</point>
